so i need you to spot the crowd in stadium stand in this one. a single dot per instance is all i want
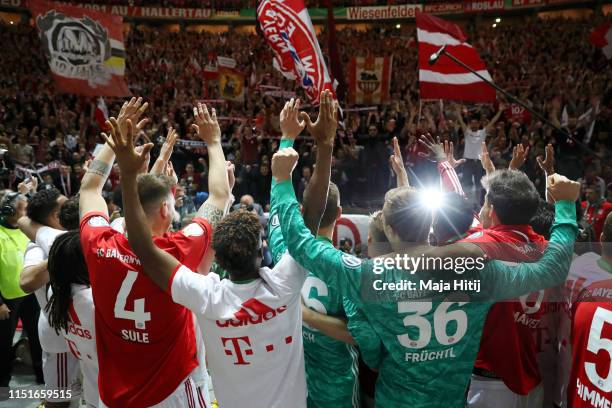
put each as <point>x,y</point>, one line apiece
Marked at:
<point>230,5</point>
<point>568,82</point>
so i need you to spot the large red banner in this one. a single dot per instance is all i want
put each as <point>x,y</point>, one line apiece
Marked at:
<point>288,30</point>
<point>84,48</point>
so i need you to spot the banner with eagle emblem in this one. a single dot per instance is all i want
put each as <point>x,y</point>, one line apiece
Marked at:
<point>84,48</point>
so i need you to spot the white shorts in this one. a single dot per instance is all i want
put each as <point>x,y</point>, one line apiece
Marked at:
<point>184,396</point>
<point>491,393</point>
<point>62,372</point>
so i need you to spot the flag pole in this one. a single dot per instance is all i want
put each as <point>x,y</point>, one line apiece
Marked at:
<point>443,51</point>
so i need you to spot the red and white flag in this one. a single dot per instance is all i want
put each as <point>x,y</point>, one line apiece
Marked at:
<point>101,113</point>
<point>446,79</point>
<point>84,48</point>
<point>288,30</point>
<point>601,37</point>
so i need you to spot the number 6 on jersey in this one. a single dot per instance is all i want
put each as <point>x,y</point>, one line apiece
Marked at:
<point>138,315</point>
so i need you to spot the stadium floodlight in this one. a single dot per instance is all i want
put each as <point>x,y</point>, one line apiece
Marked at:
<point>494,25</point>
<point>398,26</point>
<point>498,20</point>
<point>431,198</point>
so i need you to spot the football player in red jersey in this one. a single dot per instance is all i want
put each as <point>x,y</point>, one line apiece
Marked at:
<point>146,343</point>
<point>590,381</point>
<point>590,376</point>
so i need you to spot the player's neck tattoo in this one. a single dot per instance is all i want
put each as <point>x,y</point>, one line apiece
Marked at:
<point>100,168</point>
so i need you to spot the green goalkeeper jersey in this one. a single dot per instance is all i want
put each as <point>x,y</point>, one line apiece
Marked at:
<point>423,341</point>
<point>331,365</point>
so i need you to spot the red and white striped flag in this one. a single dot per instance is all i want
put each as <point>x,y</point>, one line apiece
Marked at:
<point>446,79</point>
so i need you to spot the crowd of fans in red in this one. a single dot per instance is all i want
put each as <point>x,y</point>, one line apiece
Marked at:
<point>548,63</point>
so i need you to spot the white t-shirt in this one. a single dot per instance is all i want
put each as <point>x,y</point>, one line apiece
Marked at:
<point>584,271</point>
<point>81,338</point>
<point>473,143</point>
<point>35,253</point>
<point>252,332</point>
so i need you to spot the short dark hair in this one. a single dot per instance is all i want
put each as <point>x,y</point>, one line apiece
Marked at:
<point>543,219</point>
<point>453,218</point>
<point>69,214</point>
<point>331,205</point>
<point>404,212</point>
<point>237,242</point>
<point>42,204</point>
<point>512,195</point>
<point>152,189</point>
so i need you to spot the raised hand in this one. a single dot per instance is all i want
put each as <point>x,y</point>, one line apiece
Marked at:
<point>549,160</point>
<point>397,164</point>
<point>485,160</point>
<point>169,171</point>
<point>283,163</point>
<point>168,146</point>
<point>449,150</point>
<point>324,129</point>
<point>519,156</point>
<point>559,188</point>
<point>231,177</point>
<point>206,124</point>
<point>130,161</point>
<point>28,185</point>
<point>132,110</point>
<point>290,124</point>
<point>435,150</point>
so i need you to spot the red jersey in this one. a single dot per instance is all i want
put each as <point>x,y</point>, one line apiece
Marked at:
<point>595,215</point>
<point>507,346</point>
<point>590,382</point>
<point>145,342</point>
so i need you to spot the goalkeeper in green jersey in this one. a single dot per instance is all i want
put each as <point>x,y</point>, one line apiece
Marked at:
<point>331,359</point>
<point>424,341</point>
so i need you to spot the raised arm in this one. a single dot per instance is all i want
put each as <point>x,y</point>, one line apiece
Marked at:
<point>159,167</point>
<point>324,261</point>
<point>207,127</point>
<point>443,154</point>
<point>291,127</point>
<point>90,194</point>
<point>519,156</point>
<point>548,166</point>
<point>500,110</point>
<point>459,113</point>
<point>485,160</point>
<point>501,281</point>
<point>156,263</point>
<point>324,132</point>
<point>397,164</point>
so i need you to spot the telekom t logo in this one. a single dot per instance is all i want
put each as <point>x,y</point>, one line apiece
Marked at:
<point>234,348</point>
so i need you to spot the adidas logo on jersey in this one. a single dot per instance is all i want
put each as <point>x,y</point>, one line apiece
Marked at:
<point>251,312</point>
<point>78,331</point>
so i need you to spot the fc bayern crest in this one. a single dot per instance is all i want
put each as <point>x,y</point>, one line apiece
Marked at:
<point>289,32</point>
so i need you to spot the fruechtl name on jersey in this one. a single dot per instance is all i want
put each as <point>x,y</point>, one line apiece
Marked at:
<point>426,355</point>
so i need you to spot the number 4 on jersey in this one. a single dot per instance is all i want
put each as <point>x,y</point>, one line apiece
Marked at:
<point>138,315</point>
